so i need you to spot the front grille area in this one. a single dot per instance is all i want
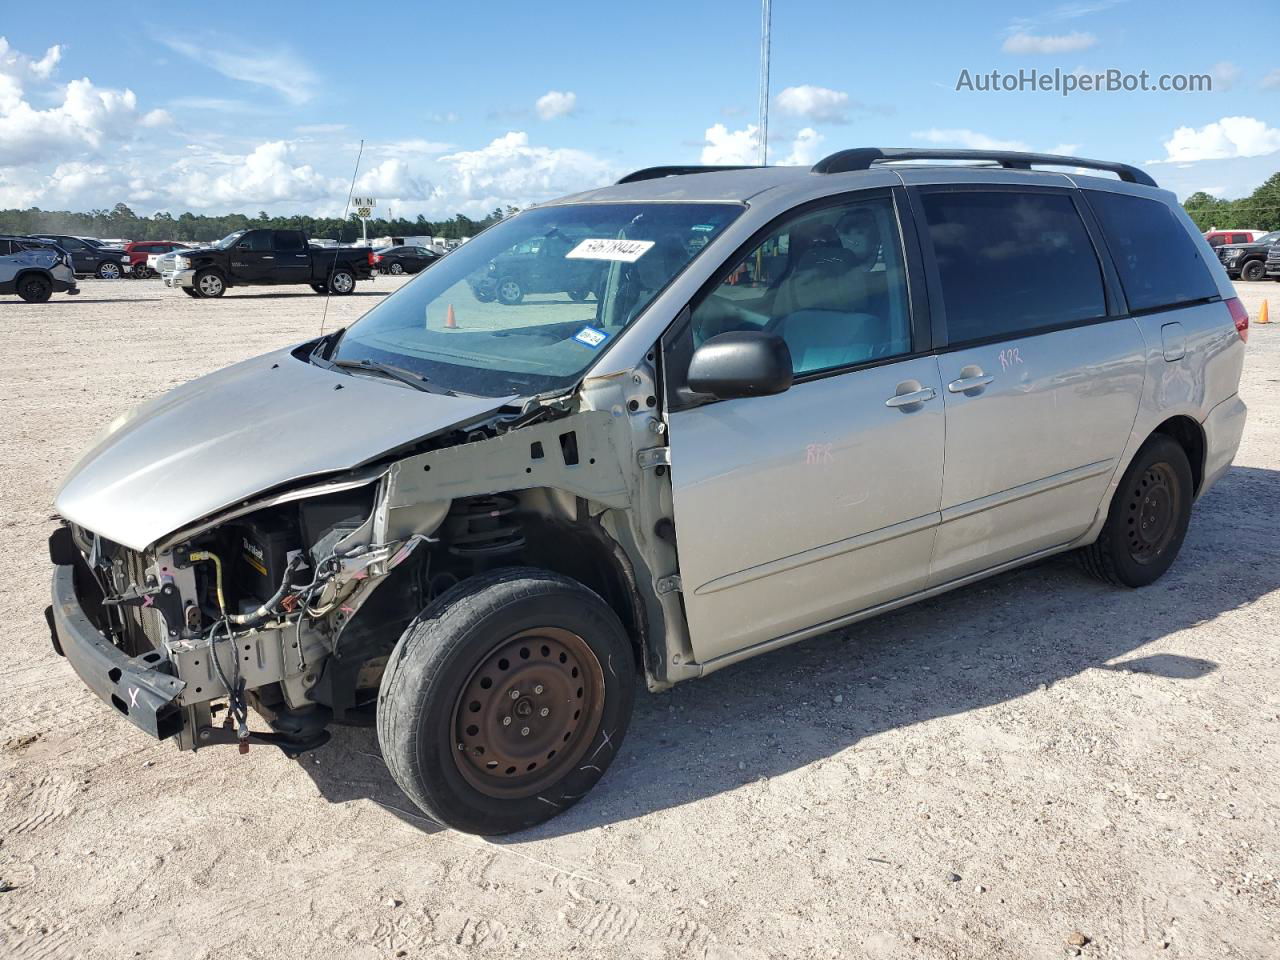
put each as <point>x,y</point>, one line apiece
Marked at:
<point>141,631</point>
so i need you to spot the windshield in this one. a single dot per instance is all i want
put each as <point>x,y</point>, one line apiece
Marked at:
<point>529,304</point>
<point>1271,237</point>
<point>229,239</point>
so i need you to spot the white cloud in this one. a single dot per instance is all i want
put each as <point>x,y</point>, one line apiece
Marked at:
<point>416,147</point>
<point>1225,75</point>
<point>279,70</point>
<point>510,170</point>
<point>16,64</point>
<point>970,139</point>
<point>553,104</point>
<point>272,173</point>
<point>1023,42</point>
<point>87,118</point>
<point>1272,80</point>
<point>396,180</point>
<point>805,148</point>
<point>1223,139</point>
<point>817,104</point>
<point>727,147</point>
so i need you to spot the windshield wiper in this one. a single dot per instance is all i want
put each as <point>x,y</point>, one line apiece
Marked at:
<point>415,380</point>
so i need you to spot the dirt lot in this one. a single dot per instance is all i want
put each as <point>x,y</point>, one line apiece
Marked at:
<point>983,775</point>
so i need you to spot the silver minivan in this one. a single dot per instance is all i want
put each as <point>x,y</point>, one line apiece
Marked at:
<point>777,401</point>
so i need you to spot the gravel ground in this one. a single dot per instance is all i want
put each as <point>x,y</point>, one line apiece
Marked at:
<point>1034,767</point>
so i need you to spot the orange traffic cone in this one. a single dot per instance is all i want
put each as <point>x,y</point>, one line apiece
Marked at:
<point>450,321</point>
<point>1262,315</point>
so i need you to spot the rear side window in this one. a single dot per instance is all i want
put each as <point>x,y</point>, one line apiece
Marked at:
<point>288,241</point>
<point>1011,264</point>
<point>1158,262</point>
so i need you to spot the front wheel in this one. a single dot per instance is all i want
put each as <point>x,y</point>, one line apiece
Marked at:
<point>1253,270</point>
<point>506,700</point>
<point>210,283</point>
<point>1148,517</point>
<point>35,288</point>
<point>191,292</point>
<point>510,291</point>
<point>342,281</point>
<point>108,270</point>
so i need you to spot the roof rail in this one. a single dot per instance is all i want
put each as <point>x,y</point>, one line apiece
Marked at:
<point>861,158</point>
<point>656,173</point>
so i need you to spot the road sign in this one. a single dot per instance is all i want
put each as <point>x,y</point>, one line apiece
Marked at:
<point>364,202</point>
<point>364,213</point>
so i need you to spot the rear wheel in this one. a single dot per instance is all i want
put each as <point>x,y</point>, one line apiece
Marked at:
<point>1148,517</point>
<point>108,270</point>
<point>396,268</point>
<point>342,281</point>
<point>1253,270</point>
<point>506,700</point>
<point>579,295</point>
<point>35,288</point>
<point>210,283</point>
<point>319,288</point>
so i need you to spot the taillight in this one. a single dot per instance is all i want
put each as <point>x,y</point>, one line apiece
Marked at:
<point>372,258</point>
<point>375,258</point>
<point>1241,317</point>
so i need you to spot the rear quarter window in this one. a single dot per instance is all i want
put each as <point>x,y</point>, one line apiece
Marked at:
<point>1156,258</point>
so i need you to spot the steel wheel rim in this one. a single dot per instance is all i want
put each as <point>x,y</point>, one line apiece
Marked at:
<point>547,669</point>
<point>396,268</point>
<point>109,271</point>
<point>1152,510</point>
<point>509,290</point>
<point>341,283</point>
<point>210,285</point>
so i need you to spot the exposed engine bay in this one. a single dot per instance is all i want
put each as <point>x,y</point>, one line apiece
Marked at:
<point>292,604</point>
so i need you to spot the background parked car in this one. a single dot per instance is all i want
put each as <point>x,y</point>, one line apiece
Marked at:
<point>34,270</point>
<point>403,259</point>
<point>535,266</point>
<point>1217,238</point>
<point>88,260</point>
<point>140,252</point>
<point>1247,261</point>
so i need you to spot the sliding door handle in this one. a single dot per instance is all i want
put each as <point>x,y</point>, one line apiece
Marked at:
<point>966,384</point>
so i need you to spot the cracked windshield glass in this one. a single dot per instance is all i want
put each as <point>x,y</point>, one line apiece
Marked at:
<point>529,304</point>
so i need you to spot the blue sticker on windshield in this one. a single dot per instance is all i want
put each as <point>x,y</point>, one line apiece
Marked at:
<point>591,337</point>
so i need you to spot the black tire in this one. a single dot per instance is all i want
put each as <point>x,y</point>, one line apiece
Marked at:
<point>191,292</point>
<point>319,288</point>
<point>449,651</point>
<point>35,288</point>
<point>342,281</point>
<point>509,291</point>
<point>484,296</point>
<point>109,270</point>
<point>209,283</point>
<point>1148,517</point>
<point>1253,270</point>
<point>578,295</point>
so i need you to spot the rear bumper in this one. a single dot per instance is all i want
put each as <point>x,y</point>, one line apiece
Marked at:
<point>137,687</point>
<point>1222,431</point>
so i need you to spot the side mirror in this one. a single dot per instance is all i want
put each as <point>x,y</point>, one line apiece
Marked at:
<point>243,245</point>
<point>744,363</point>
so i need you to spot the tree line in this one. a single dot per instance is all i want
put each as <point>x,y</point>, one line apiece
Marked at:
<point>1258,211</point>
<point>122,222</point>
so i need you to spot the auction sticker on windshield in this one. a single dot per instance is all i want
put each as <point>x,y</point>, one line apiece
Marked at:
<point>623,251</point>
<point>591,337</point>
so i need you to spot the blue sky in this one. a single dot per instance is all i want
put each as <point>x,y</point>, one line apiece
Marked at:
<point>467,106</point>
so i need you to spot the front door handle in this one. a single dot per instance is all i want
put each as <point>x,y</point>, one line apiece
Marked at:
<point>912,398</point>
<point>966,384</point>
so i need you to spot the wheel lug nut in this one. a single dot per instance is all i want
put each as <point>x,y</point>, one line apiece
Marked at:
<point>524,731</point>
<point>506,721</point>
<point>538,688</point>
<point>544,711</point>
<point>515,694</point>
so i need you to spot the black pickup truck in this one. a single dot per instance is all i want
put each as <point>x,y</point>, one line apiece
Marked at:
<point>263,258</point>
<point>1248,261</point>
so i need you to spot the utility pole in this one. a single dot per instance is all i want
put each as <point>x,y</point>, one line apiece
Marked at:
<point>766,7</point>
